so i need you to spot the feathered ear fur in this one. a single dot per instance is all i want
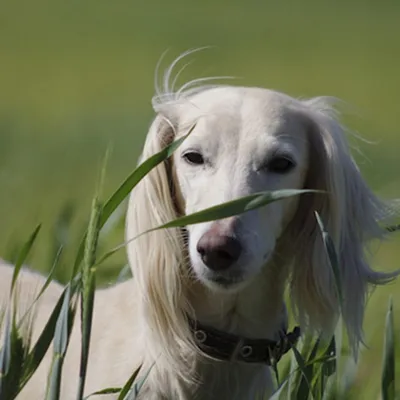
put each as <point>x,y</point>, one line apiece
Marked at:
<point>157,258</point>
<point>350,212</point>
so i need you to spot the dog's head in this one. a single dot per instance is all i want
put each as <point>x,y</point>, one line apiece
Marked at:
<point>245,141</point>
<point>248,140</point>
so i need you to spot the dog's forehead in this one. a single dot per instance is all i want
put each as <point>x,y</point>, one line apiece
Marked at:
<point>239,115</point>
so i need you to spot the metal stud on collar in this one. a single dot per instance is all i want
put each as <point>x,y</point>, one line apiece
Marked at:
<point>246,351</point>
<point>200,336</point>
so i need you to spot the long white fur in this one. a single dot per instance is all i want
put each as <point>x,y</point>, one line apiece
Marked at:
<point>144,320</point>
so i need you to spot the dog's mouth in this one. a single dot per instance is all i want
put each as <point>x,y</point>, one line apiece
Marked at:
<point>230,281</point>
<point>226,281</point>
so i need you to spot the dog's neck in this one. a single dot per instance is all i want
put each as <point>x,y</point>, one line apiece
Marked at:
<point>258,311</point>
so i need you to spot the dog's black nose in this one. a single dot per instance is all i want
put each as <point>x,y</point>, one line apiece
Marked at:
<point>218,251</point>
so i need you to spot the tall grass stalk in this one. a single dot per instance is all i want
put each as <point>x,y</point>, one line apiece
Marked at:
<point>388,365</point>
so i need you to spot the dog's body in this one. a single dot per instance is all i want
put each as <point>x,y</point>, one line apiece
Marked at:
<point>110,311</point>
<point>229,274</point>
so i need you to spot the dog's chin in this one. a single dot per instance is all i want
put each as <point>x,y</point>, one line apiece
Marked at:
<point>223,285</point>
<point>227,283</point>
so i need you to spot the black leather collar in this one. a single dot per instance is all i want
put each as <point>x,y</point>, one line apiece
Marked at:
<point>229,347</point>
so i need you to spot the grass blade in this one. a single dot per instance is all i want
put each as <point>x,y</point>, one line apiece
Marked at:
<point>132,395</point>
<point>280,393</point>
<point>306,379</point>
<point>128,384</point>
<point>44,287</point>
<point>294,373</point>
<point>103,392</point>
<point>393,228</point>
<point>61,339</point>
<point>231,208</point>
<point>5,357</point>
<point>125,274</point>
<point>333,259</point>
<point>334,263</point>
<point>337,365</point>
<point>328,369</point>
<point>225,210</point>
<point>88,290</point>
<point>12,357</point>
<point>388,370</point>
<point>22,256</point>
<point>42,344</point>
<point>305,392</point>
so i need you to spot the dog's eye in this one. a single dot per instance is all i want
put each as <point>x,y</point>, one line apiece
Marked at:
<point>193,157</point>
<point>280,165</point>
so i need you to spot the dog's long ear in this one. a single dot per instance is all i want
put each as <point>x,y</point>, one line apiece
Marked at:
<point>156,258</point>
<point>350,212</point>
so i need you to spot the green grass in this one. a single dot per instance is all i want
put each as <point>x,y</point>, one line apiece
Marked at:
<point>76,77</point>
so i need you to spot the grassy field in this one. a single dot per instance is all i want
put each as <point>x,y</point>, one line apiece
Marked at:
<point>76,77</point>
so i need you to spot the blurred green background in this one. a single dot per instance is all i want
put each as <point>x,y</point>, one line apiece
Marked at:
<point>77,77</point>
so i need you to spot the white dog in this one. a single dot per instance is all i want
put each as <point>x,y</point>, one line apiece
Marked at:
<point>206,303</point>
